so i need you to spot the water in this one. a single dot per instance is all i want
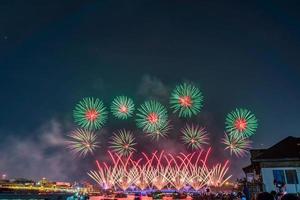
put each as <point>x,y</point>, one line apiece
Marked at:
<point>35,196</point>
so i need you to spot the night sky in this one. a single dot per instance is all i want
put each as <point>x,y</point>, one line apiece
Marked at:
<point>54,53</point>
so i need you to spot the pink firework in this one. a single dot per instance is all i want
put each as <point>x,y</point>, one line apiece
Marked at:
<point>160,170</point>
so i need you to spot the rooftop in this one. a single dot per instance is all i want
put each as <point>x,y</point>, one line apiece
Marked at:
<point>286,149</point>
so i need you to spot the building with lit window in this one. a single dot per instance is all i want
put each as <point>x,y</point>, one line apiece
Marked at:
<point>275,166</point>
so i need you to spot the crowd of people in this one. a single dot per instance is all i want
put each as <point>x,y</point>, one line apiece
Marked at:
<point>275,196</point>
<point>260,196</point>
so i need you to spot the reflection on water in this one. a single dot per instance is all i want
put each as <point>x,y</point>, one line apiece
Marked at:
<point>132,197</point>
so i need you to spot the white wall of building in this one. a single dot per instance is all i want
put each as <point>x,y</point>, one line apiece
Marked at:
<point>268,179</point>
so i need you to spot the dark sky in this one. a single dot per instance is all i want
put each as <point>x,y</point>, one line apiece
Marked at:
<point>53,53</point>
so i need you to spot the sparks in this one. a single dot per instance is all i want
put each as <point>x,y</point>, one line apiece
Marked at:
<point>90,114</point>
<point>159,171</point>
<point>123,142</point>
<point>241,123</point>
<point>194,136</point>
<point>151,116</point>
<point>160,132</point>
<point>238,146</point>
<point>186,100</point>
<point>81,142</point>
<point>122,107</point>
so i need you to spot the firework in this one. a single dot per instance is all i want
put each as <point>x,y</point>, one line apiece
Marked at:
<point>123,143</point>
<point>177,175</point>
<point>159,171</point>
<point>199,173</point>
<point>241,123</point>
<point>82,142</point>
<point>236,145</point>
<point>199,178</point>
<point>109,176</point>
<point>218,173</point>
<point>122,107</point>
<point>160,132</point>
<point>194,136</point>
<point>90,113</point>
<point>151,116</point>
<point>187,100</point>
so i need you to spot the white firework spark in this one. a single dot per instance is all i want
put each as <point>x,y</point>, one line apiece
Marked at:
<point>82,142</point>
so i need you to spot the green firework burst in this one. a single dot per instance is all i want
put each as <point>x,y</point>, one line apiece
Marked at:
<point>186,100</point>
<point>82,142</point>
<point>90,113</point>
<point>194,136</point>
<point>238,146</point>
<point>160,132</point>
<point>151,116</point>
<point>241,123</point>
<point>123,142</point>
<point>122,107</point>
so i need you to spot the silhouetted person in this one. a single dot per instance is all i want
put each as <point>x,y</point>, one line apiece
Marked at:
<point>274,194</point>
<point>289,197</point>
<point>246,192</point>
<point>264,196</point>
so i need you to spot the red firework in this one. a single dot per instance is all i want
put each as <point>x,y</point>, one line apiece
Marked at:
<point>240,124</point>
<point>91,115</point>
<point>152,118</point>
<point>123,109</point>
<point>185,101</point>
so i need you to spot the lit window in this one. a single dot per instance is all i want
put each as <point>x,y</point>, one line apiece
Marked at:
<point>278,176</point>
<point>291,177</point>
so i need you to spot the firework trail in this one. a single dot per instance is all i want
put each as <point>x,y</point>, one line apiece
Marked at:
<point>218,173</point>
<point>82,142</point>
<point>159,171</point>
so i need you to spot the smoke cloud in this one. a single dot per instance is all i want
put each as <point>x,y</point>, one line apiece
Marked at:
<point>152,87</point>
<point>40,155</point>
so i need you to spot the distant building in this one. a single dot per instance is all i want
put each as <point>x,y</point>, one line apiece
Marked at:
<point>63,184</point>
<point>279,164</point>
